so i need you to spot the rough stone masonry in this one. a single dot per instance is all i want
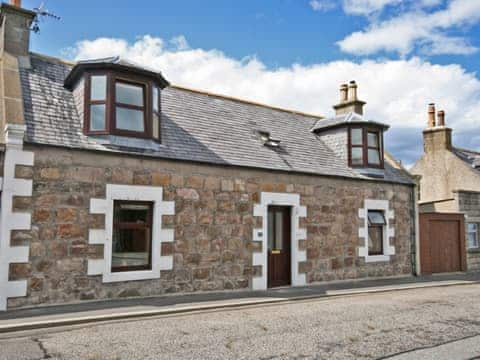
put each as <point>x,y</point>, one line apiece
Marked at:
<point>213,223</point>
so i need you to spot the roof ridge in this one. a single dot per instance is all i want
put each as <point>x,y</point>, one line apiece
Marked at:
<point>467,150</point>
<point>53,58</point>
<point>251,102</point>
<point>205,92</point>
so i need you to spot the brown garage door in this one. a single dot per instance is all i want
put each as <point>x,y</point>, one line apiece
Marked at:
<point>442,243</point>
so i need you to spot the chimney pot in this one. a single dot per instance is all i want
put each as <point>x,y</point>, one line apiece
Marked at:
<point>352,91</point>
<point>441,118</point>
<point>17,3</point>
<point>343,93</point>
<point>431,115</point>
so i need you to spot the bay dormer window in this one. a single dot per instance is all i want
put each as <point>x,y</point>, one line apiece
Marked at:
<point>365,147</point>
<point>121,106</point>
<point>117,97</point>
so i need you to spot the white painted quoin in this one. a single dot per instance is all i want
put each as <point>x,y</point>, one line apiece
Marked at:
<point>9,220</point>
<point>104,236</point>
<point>388,231</point>
<point>297,256</point>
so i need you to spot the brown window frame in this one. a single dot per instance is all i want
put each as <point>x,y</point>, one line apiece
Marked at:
<point>157,112</point>
<point>111,104</point>
<point>365,147</point>
<point>134,226</point>
<point>88,102</point>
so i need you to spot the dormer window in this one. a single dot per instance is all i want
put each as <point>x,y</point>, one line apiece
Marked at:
<point>119,98</point>
<point>118,105</point>
<point>365,147</point>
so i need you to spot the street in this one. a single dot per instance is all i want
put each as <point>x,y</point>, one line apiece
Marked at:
<point>430,323</point>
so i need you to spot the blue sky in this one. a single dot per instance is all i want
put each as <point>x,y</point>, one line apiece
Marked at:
<point>295,53</point>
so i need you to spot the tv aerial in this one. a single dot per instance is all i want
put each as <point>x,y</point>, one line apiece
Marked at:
<point>41,13</point>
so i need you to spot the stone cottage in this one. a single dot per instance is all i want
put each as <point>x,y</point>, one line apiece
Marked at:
<point>116,183</point>
<point>450,180</point>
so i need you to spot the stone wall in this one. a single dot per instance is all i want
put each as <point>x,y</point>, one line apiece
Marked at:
<point>213,225</point>
<point>469,204</point>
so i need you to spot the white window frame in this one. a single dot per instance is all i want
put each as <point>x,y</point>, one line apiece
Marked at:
<point>477,235</point>
<point>104,236</point>
<point>388,231</point>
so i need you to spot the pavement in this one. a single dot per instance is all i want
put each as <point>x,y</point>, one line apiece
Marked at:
<point>129,308</point>
<point>438,322</point>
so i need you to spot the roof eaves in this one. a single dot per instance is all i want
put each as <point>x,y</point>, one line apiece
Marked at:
<point>112,63</point>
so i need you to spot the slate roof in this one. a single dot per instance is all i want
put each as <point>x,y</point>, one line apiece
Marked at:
<point>344,119</point>
<point>469,156</point>
<point>195,127</point>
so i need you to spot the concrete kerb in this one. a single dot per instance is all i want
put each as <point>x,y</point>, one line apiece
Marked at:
<point>26,324</point>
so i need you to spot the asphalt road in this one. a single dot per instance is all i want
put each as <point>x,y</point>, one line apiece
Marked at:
<point>431,323</point>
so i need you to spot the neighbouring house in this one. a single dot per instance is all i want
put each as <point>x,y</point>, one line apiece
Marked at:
<point>450,180</point>
<point>116,183</point>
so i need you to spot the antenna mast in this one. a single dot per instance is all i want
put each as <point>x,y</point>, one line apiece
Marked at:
<point>41,13</point>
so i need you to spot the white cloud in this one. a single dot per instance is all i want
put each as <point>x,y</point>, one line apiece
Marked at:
<point>417,28</point>
<point>366,7</point>
<point>322,5</point>
<point>397,91</point>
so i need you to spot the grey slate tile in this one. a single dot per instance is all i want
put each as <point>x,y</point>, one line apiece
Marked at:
<point>195,127</point>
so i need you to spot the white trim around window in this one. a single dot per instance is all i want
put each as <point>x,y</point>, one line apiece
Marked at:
<point>473,233</point>
<point>388,231</point>
<point>104,236</point>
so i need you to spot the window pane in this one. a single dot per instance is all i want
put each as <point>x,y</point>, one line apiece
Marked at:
<point>131,213</point>
<point>132,241</point>
<point>356,136</point>
<point>373,157</point>
<point>278,230</point>
<point>131,247</point>
<point>97,117</point>
<point>376,218</point>
<point>375,240</point>
<point>271,235</point>
<point>155,126</point>
<point>98,87</point>
<point>472,227</point>
<point>472,235</point>
<point>129,119</point>
<point>357,156</point>
<point>373,139</point>
<point>129,94</point>
<point>155,98</point>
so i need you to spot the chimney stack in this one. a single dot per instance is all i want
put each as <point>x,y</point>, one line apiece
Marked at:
<point>349,100</point>
<point>436,137</point>
<point>352,91</point>
<point>431,115</point>
<point>15,28</point>
<point>441,118</point>
<point>343,93</point>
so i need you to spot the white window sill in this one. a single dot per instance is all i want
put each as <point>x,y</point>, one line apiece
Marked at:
<point>377,258</point>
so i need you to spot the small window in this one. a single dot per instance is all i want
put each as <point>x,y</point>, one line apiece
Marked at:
<point>374,148</point>
<point>98,102</point>
<point>118,104</point>
<point>132,236</point>
<point>473,234</point>
<point>365,148</point>
<point>376,224</point>
<point>356,146</point>
<point>129,107</point>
